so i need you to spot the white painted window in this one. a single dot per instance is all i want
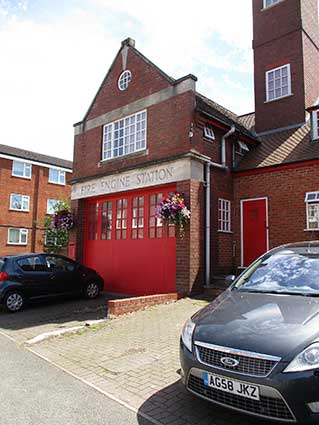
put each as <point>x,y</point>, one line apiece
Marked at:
<point>209,133</point>
<point>268,3</point>
<point>125,136</point>
<point>21,169</point>
<point>224,215</point>
<point>315,125</point>
<point>19,202</point>
<point>241,148</point>
<point>124,80</point>
<point>56,176</point>
<point>278,83</point>
<point>51,204</point>
<point>312,210</point>
<point>17,236</point>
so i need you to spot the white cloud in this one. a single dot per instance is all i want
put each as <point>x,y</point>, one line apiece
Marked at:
<point>51,69</point>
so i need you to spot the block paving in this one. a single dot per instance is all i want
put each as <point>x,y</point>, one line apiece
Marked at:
<point>134,358</point>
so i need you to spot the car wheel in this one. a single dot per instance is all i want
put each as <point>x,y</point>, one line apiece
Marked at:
<point>14,301</point>
<point>92,290</point>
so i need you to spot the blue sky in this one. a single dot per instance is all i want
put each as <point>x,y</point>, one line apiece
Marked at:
<point>54,55</point>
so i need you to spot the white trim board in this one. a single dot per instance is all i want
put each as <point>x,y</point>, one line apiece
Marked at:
<point>28,161</point>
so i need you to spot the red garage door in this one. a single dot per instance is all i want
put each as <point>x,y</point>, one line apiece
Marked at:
<point>128,245</point>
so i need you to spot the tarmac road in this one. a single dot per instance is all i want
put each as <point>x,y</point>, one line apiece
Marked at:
<point>34,392</point>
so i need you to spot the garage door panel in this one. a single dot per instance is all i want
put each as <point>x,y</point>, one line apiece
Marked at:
<point>128,245</point>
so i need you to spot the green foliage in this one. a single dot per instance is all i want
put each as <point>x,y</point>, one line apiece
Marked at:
<point>56,239</point>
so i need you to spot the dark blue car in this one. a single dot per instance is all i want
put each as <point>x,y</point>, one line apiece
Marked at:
<point>35,276</point>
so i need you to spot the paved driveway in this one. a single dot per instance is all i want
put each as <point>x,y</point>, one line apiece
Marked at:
<point>134,358</point>
<point>51,316</point>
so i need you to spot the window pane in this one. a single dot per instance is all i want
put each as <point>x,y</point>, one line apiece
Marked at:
<point>18,168</point>
<point>14,235</point>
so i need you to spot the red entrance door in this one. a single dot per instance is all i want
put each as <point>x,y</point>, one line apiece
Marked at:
<point>128,245</point>
<point>254,229</point>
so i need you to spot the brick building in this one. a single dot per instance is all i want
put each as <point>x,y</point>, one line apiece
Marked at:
<point>30,185</point>
<point>250,181</point>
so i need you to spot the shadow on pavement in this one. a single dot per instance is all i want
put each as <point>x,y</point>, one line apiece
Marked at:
<point>56,311</point>
<point>175,406</point>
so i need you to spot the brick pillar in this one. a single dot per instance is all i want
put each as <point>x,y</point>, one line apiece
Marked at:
<point>77,234</point>
<point>190,249</point>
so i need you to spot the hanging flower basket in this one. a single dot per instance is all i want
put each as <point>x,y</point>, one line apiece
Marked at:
<point>172,210</point>
<point>63,220</point>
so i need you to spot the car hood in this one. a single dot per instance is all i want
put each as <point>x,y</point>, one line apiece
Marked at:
<point>277,325</point>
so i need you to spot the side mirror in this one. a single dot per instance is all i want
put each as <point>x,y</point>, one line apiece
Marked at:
<point>230,279</point>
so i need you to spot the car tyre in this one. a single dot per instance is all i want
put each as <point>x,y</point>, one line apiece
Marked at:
<point>14,301</point>
<point>92,290</point>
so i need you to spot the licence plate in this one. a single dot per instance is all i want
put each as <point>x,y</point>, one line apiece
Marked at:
<point>231,386</point>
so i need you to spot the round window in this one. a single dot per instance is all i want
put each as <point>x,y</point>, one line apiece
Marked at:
<point>124,80</point>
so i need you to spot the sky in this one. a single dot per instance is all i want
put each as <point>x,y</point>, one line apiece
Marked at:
<point>54,55</point>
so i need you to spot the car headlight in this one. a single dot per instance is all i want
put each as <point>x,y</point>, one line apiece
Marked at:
<point>308,359</point>
<point>187,334</point>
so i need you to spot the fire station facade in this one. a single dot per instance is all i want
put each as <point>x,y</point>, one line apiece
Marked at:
<point>251,182</point>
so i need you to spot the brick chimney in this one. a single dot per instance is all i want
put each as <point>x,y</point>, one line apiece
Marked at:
<point>286,61</point>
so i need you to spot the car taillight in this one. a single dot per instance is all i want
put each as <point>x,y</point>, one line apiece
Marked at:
<point>3,276</point>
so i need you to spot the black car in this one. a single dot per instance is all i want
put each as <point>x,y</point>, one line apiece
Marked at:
<point>34,276</point>
<point>255,348</point>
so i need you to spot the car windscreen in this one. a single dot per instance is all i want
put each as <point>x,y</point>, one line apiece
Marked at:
<point>283,272</point>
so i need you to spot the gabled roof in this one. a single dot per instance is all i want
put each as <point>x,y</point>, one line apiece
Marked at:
<point>222,114</point>
<point>34,156</point>
<point>128,42</point>
<point>282,147</point>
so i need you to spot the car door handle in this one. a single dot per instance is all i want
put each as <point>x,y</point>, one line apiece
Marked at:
<point>52,276</point>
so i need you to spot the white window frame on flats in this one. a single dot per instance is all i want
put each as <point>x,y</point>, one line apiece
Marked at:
<point>26,169</point>
<point>22,233</point>
<point>224,215</point>
<point>315,125</point>
<point>312,210</point>
<point>50,208</point>
<point>25,199</point>
<point>271,77</point>
<point>60,176</point>
<point>125,136</point>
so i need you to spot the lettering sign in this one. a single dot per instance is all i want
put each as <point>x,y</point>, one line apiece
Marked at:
<point>135,179</point>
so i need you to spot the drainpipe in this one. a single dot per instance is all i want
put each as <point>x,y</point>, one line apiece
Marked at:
<point>229,133</point>
<point>221,166</point>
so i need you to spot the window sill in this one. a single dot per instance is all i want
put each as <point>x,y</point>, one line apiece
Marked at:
<point>311,230</point>
<point>14,209</point>
<point>21,177</point>
<point>131,155</point>
<point>16,244</point>
<point>207,139</point>
<point>229,232</point>
<point>59,184</point>
<point>278,98</point>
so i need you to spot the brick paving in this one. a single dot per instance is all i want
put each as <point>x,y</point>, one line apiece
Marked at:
<point>134,358</point>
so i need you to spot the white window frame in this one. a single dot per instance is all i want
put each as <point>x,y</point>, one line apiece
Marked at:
<point>124,80</point>
<point>267,75</point>
<point>224,215</point>
<point>26,166</point>
<point>21,232</point>
<point>311,201</point>
<point>272,3</point>
<point>48,206</point>
<point>24,198</point>
<point>315,125</point>
<point>209,132</point>
<point>109,141</point>
<point>61,176</point>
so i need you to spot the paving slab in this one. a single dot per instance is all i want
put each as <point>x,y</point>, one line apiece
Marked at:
<point>135,359</point>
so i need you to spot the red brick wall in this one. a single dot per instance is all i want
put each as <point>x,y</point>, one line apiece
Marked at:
<point>168,125</point>
<point>285,190</point>
<point>39,190</point>
<point>145,81</point>
<point>285,43</point>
